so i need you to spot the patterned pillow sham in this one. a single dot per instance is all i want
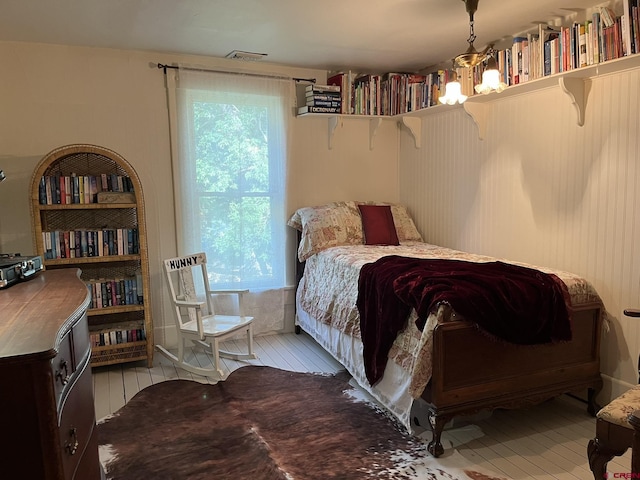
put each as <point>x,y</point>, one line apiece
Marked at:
<point>325,226</point>
<point>340,223</point>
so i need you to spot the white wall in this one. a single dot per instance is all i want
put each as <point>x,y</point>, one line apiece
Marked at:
<point>52,96</point>
<point>543,190</point>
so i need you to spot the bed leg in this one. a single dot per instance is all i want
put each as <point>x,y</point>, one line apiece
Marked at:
<point>298,329</point>
<point>592,407</point>
<point>437,424</point>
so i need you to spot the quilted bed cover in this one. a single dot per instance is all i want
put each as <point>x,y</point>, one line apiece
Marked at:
<point>326,309</point>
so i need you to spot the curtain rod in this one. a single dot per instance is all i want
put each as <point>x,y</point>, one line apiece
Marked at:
<point>164,68</point>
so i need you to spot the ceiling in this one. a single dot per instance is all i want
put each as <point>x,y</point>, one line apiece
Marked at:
<point>364,35</point>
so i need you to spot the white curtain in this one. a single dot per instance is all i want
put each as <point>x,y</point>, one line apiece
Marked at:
<point>229,147</point>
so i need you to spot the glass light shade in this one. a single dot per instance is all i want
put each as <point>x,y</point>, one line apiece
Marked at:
<point>452,93</point>
<point>490,81</point>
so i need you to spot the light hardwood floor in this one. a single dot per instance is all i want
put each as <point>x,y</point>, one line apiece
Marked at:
<point>547,441</point>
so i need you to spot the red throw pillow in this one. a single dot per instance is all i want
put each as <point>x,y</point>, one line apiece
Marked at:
<point>378,226</point>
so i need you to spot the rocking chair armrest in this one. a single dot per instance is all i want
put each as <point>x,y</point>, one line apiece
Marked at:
<point>232,291</point>
<point>183,303</point>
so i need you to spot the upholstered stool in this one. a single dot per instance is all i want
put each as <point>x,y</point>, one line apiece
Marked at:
<point>614,433</point>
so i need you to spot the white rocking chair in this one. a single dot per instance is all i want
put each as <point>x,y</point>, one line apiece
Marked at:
<point>204,328</point>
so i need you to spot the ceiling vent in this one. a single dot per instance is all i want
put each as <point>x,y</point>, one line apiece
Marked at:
<point>246,56</point>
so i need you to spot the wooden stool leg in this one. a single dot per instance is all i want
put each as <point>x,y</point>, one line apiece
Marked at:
<point>598,459</point>
<point>634,420</point>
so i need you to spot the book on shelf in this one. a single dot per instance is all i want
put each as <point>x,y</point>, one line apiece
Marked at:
<point>416,97</point>
<point>329,99</point>
<point>72,245</point>
<point>520,44</point>
<point>344,82</point>
<point>93,189</point>
<point>56,190</point>
<point>608,16</point>
<point>63,191</point>
<point>324,95</point>
<point>549,37</point>
<point>582,45</point>
<point>75,189</point>
<point>533,54</point>
<point>81,196</point>
<point>629,23</point>
<point>86,189</point>
<point>315,88</point>
<point>316,102</point>
<point>311,109</point>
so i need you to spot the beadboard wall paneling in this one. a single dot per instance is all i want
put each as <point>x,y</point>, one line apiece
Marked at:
<point>542,190</point>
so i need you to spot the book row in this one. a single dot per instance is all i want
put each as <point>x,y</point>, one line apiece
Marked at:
<point>119,291</point>
<point>116,337</point>
<point>388,94</point>
<point>557,49</point>
<point>90,243</point>
<point>63,190</point>
<point>603,36</point>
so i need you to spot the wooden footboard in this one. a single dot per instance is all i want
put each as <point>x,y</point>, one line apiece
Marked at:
<point>472,372</point>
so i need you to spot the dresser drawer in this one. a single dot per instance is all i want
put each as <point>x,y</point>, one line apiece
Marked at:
<point>81,343</point>
<point>77,422</point>
<point>63,367</point>
<point>72,352</point>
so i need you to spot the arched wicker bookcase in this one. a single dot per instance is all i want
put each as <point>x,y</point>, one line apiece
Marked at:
<point>88,213</point>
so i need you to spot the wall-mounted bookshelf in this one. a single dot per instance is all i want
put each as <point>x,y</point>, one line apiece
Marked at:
<point>574,83</point>
<point>602,42</point>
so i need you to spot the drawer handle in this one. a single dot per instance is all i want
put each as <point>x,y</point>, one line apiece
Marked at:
<point>72,447</point>
<point>64,379</point>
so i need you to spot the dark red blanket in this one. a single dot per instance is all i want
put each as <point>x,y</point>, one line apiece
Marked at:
<point>516,304</point>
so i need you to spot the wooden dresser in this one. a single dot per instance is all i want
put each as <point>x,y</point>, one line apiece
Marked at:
<point>47,415</point>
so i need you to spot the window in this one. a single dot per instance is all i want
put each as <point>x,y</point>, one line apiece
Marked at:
<point>230,175</point>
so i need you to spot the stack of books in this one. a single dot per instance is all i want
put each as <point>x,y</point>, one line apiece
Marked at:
<point>321,99</point>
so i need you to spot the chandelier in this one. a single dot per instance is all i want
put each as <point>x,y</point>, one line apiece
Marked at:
<point>471,57</point>
<point>490,77</point>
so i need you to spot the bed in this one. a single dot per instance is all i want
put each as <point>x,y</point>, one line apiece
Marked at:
<point>447,363</point>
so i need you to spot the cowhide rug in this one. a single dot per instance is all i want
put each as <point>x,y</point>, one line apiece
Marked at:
<point>261,424</point>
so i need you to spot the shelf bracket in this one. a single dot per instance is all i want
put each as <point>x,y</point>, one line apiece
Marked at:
<point>576,89</point>
<point>333,124</point>
<point>478,112</point>
<point>414,124</point>
<point>374,124</point>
